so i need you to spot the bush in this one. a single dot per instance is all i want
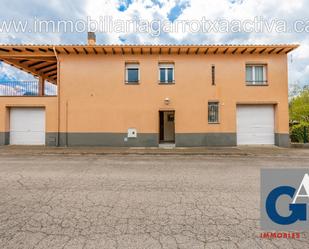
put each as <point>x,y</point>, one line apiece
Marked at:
<point>297,132</point>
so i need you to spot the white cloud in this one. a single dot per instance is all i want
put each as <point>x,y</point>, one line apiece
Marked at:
<point>303,51</point>
<point>12,73</point>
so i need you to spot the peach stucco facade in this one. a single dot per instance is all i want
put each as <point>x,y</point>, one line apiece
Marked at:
<point>95,106</point>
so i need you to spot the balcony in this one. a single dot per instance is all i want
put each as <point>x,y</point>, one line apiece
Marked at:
<point>27,88</point>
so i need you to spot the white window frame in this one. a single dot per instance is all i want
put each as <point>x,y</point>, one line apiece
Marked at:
<point>132,66</point>
<point>166,66</point>
<point>255,83</point>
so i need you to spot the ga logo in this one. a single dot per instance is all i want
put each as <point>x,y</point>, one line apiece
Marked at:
<point>284,199</point>
<point>298,210</point>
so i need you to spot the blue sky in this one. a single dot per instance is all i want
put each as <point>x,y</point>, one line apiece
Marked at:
<point>169,11</point>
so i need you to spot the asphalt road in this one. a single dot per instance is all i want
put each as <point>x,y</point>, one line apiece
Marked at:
<point>136,201</point>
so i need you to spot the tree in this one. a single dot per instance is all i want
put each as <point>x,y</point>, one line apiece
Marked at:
<point>299,106</point>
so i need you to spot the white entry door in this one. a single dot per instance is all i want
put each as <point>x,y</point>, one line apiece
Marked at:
<point>255,125</point>
<point>27,126</point>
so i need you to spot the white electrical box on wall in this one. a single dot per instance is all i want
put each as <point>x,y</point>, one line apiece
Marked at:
<point>132,133</point>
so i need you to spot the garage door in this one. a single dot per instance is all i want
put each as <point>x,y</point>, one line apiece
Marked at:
<point>255,124</point>
<point>27,126</point>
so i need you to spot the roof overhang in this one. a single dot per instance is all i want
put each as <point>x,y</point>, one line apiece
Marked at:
<point>36,60</point>
<point>41,60</point>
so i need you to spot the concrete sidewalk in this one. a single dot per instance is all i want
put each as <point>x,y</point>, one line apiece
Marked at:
<point>220,151</point>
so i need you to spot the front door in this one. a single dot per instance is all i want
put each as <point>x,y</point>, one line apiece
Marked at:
<point>167,126</point>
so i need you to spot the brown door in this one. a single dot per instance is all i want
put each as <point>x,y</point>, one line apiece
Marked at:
<point>167,126</point>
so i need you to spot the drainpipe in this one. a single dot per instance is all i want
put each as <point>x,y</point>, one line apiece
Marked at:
<point>58,94</point>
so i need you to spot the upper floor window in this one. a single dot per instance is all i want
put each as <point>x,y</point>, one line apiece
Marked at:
<point>256,75</point>
<point>166,73</point>
<point>132,73</point>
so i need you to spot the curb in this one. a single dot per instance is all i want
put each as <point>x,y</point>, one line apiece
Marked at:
<point>300,145</point>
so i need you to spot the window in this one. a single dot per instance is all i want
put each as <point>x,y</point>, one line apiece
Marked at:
<point>166,73</point>
<point>132,73</point>
<point>256,75</point>
<point>213,112</point>
<point>213,75</point>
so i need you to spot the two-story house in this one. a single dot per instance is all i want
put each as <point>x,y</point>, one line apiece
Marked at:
<point>146,95</point>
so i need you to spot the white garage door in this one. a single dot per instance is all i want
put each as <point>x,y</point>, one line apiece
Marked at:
<point>255,124</point>
<point>27,126</point>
